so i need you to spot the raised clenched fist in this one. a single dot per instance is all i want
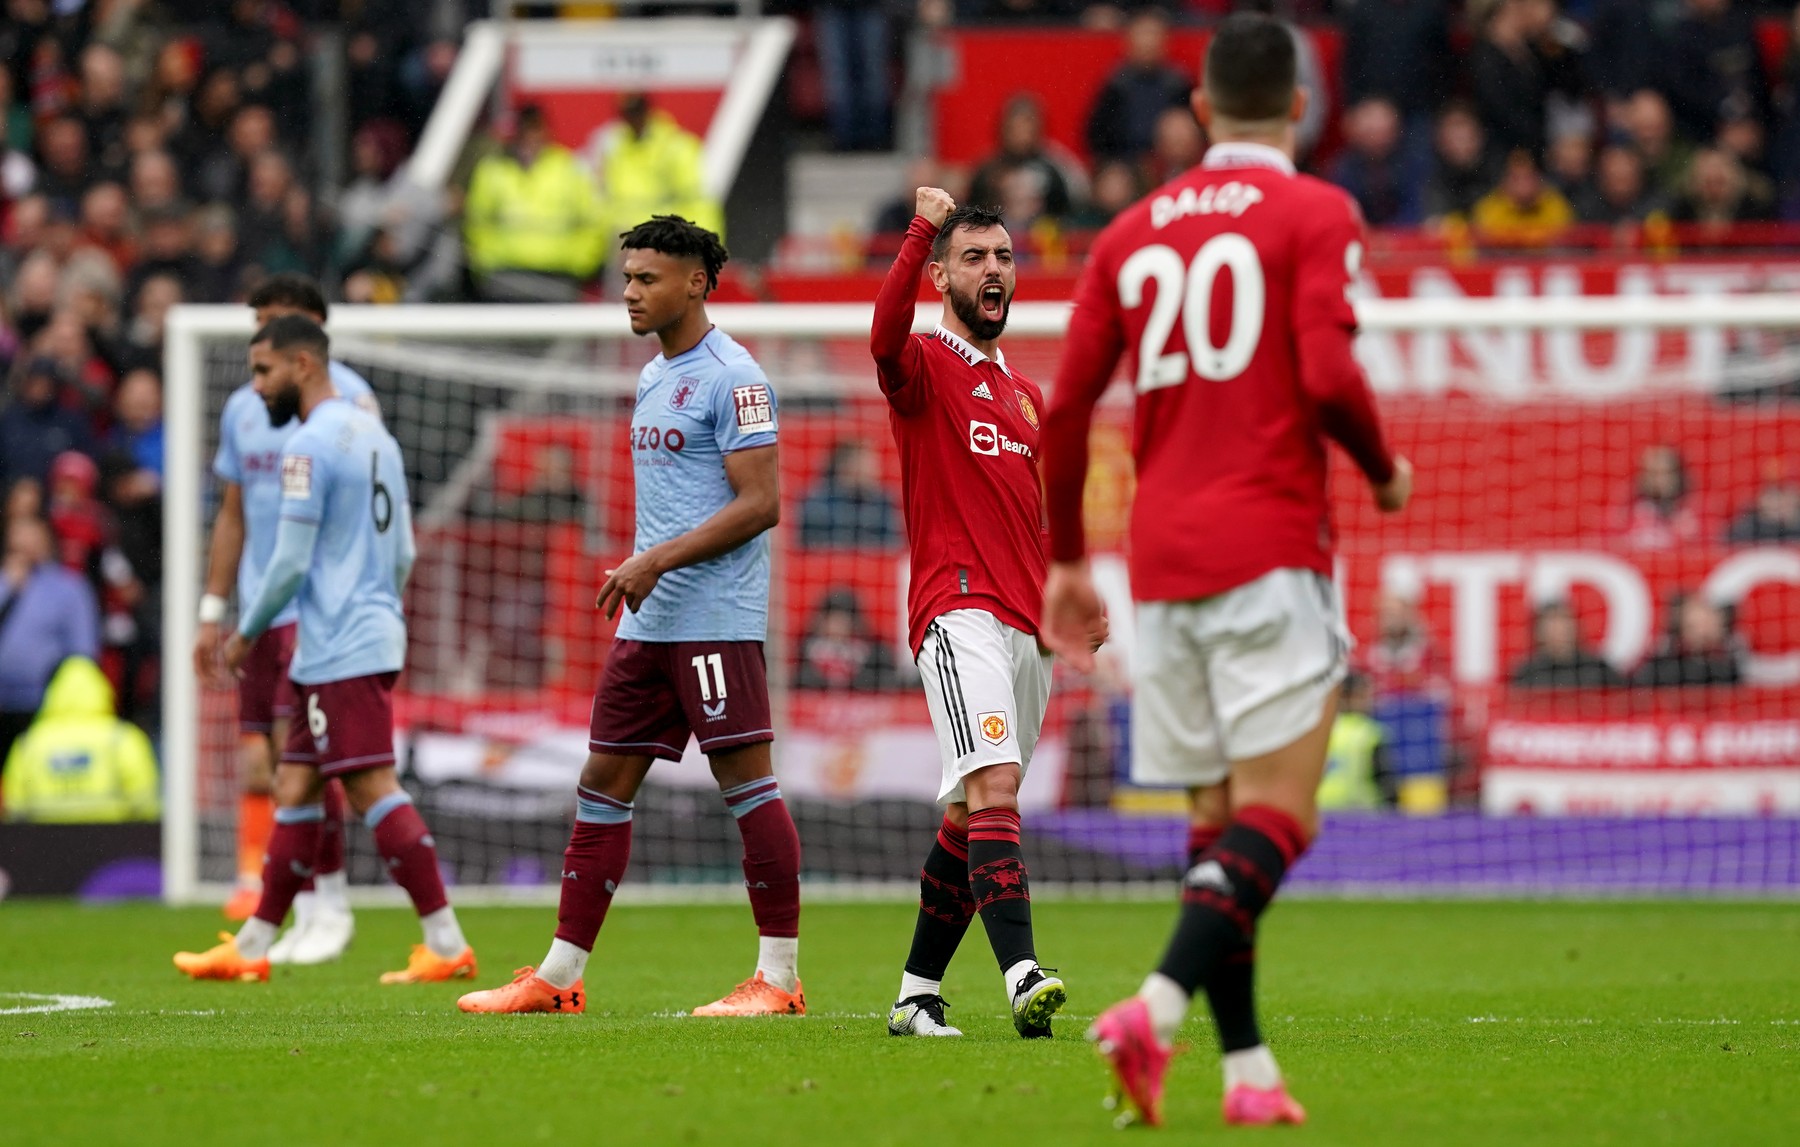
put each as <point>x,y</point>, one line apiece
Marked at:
<point>935,204</point>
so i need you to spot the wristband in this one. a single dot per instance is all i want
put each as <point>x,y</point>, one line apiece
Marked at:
<point>212,609</point>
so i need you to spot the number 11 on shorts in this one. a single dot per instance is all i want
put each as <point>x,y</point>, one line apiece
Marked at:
<point>717,683</point>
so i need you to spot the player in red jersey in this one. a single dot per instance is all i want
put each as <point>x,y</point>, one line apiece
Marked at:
<point>1226,290</point>
<point>967,427</point>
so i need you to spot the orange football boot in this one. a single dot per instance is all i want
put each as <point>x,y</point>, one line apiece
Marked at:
<point>758,997</point>
<point>242,904</point>
<point>427,967</point>
<point>223,961</point>
<point>526,993</point>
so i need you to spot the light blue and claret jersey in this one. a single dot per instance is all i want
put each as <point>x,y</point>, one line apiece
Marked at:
<point>250,455</point>
<point>692,411</point>
<point>344,548</point>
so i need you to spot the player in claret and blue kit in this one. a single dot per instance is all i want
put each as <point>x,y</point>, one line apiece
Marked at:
<point>344,550</point>
<point>1228,286</point>
<point>247,467</point>
<point>687,660</point>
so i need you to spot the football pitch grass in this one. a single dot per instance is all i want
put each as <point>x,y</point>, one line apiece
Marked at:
<point>1397,1023</point>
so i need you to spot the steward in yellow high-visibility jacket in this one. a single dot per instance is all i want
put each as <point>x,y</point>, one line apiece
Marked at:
<point>533,208</point>
<point>651,165</point>
<point>79,763</point>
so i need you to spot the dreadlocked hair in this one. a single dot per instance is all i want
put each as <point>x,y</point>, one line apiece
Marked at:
<point>673,235</point>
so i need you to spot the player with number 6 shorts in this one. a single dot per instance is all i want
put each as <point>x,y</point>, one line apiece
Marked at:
<point>967,427</point>
<point>344,550</point>
<point>687,661</point>
<point>247,468</point>
<point>1227,290</point>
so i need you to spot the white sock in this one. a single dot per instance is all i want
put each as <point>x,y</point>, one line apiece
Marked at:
<point>1254,1066</point>
<point>563,966</point>
<point>304,903</point>
<point>778,959</point>
<point>254,938</point>
<point>1015,976</point>
<point>333,891</point>
<point>1168,1005</point>
<point>443,935</point>
<point>911,985</point>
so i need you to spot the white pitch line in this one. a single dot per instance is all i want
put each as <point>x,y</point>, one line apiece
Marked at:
<point>51,1003</point>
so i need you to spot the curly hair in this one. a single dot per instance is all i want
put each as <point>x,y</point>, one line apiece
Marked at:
<point>673,235</point>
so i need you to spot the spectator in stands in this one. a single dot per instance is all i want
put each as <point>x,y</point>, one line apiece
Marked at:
<point>1651,128</point>
<point>1698,651</point>
<point>852,38</point>
<point>1524,210</point>
<point>1558,659</point>
<point>1399,51</point>
<point>47,614</point>
<point>137,431</point>
<point>1509,76</point>
<point>1713,70</point>
<point>1376,167</point>
<point>1358,773</point>
<point>1785,153</point>
<point>1627,53</point>
<point>102,107</point>
<point>24,499</point>
<point>1773,518</point>
<point>218,271</point>
<point>1023,145</point>
<point>532,220</point>
<point>106,225</point>
<point>839,654</point>
<point>1620,194</point>
<point>155,182</point>
<point>1720,192</point>
<point>1404,659</point>
<point>1116,187</point>
<point>38,424</point>
<point>64,173</point>
<point>1462,168</point>
<point>1121,122</point>
<point>651,165</point>
<point>1661,514</point>
<point>895,216</point>
<point>553,493</point>
<point>142,344</point>
<point>78,763</point>
<point>850,506</point>
<point>166,247</point>
<point>1178,146</point>
<point>1570,165</point>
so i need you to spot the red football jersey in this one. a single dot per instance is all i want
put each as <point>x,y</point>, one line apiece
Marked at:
<point>967,428</point>
<point>1227,290</point>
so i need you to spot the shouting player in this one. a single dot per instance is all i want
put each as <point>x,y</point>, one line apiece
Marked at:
<point>243,538</point>
<point>967,428</point>
<point>345,549</point>
<point>688,656</point>
<point>1227,289</point>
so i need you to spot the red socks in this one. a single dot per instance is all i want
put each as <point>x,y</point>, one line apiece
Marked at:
<point>772,867</point>
<point>593,865</point>
<point>293,850</point>
<point>404,842</point>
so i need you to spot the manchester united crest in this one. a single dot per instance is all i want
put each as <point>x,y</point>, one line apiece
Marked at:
<point>993,727</point>
<point>1027,409</point>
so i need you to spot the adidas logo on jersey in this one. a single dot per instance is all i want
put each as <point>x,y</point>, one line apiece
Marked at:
<point>982,391</point>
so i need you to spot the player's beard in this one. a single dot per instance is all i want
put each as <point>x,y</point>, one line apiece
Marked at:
<point>284,406</point>
<point>968,309</point>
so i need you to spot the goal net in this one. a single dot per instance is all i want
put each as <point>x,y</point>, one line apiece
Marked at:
<point>1579,649</point>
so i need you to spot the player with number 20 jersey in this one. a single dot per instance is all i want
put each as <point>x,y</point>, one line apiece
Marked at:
<point>1226,289</point>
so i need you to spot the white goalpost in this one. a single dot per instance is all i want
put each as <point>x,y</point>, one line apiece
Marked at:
<point>1527,418</point>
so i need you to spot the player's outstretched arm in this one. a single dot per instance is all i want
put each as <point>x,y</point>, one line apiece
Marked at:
<point>897,356</point>
<point>755,507</point>
<point>223,554</point>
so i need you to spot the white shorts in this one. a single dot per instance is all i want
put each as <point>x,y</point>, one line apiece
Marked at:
<point>987,685</point>
<point>1233,676</point>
